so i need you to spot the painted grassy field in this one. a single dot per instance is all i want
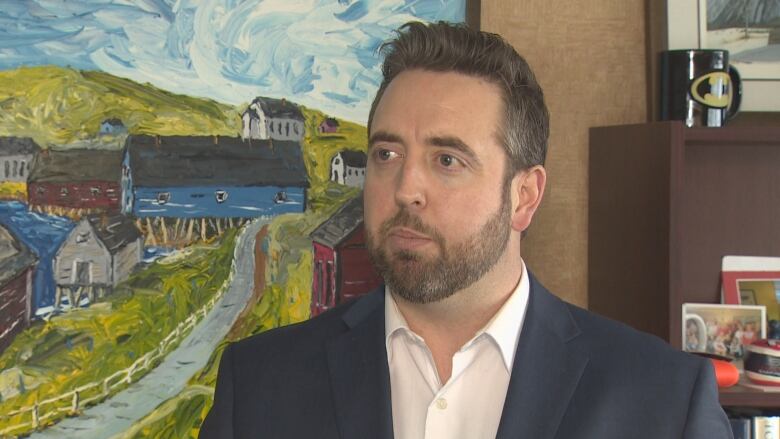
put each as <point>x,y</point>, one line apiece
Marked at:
<point>13,191</point>
<point>57,106</point>
<point>87,345</point>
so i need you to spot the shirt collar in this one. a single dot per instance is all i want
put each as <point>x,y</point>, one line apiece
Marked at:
<point>504,328</point>
<point>506,325</point>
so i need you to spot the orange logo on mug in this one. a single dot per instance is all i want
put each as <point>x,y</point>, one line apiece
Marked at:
<point>712,89</point>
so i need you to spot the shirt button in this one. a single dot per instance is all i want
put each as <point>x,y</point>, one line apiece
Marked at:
<point>441,403</point>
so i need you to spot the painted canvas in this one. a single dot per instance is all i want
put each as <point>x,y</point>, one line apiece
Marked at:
<point>174,175</point>
<point>750,31</point>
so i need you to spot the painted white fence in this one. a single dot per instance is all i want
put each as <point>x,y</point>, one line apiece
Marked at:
<point>69,404</point>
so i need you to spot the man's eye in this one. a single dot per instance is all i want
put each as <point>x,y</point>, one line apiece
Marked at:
<point>447,160</point>
<point>385,154</point>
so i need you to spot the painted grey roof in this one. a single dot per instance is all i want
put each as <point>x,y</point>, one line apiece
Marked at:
<point>15,257</point>
<point>18,145</point>
<point>114,122</point>
<point>114,231</point>
<point>338,227</point>
<point>63,166</point>
<point>279,108</point>
<point>198,160</point>
<point>355,159</point>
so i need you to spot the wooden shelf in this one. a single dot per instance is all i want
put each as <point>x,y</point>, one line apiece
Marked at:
<point>665,204</point>
<point>739,396</point>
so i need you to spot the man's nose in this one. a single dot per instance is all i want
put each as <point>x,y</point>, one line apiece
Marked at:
<point>410,191</point>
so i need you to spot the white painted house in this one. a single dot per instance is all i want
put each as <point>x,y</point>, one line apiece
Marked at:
<point>99,252</point>
<point>16,154</point>
<point>276,119</point>
<point>348,168</point>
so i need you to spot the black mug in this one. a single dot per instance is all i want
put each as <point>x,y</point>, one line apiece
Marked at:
<point>699,87</point>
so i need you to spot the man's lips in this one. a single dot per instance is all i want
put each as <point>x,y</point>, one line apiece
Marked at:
<point>405,233</point>
<point>407,238</point>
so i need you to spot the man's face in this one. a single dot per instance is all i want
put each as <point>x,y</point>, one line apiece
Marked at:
<point>437,211</point>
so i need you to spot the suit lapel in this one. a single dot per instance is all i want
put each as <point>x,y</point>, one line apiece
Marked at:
<point>359,374</point>
<point>546,369</point>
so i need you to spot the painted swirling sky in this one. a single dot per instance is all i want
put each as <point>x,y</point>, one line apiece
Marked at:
<point>320,53</point>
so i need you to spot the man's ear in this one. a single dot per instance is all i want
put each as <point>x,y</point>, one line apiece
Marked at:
<point>527,191</point>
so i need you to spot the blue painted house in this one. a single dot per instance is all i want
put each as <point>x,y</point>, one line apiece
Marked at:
<point>212,177</point>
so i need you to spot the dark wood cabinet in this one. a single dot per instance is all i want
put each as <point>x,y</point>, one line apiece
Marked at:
<point>666,203</point>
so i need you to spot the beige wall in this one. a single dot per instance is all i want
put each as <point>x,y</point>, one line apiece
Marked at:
<point>590,60</point>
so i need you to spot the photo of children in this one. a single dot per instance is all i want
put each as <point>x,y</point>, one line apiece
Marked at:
<point>722,329</point>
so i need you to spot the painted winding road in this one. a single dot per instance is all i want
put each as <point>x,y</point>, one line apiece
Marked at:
<point>118,413</point>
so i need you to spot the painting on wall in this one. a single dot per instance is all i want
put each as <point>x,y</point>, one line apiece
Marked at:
<point>174,176</point>
<point>750,31</point>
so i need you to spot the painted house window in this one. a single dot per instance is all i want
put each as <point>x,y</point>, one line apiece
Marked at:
<point>16,168</point>
<point>7,169</point>
<point>95,191</point>
<point>82,273</point>
<point>21,169</point>
<point>82,238</point>
<point>280,197</point>
<point>337,161</point>
<point>295,129</point>
<point>163,197</point>
<point>64,192</point>
<point>331,290</point>
<point>221,196</point>
<point>40,190</point>
<point>319,282</point>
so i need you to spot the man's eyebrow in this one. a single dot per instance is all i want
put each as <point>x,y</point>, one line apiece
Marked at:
<point>383,136</point>
<point>456,144</point>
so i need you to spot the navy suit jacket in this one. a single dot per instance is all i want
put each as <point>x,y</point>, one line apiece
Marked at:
<point>575,375</point>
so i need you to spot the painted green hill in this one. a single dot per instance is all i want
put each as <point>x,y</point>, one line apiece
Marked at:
<point>57,106</point>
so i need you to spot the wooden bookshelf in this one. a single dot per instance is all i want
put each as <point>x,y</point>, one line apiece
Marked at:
<point>666,203</point>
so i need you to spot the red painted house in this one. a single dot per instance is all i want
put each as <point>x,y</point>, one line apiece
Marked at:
<point>342,269</point>
<point>17,264</point>
<point>329,125</point>
<point>84,179</point>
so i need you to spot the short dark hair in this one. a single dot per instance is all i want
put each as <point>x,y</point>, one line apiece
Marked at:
<point>446,47</point>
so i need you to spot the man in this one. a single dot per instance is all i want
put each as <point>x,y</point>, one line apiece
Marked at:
<point>462,342</point>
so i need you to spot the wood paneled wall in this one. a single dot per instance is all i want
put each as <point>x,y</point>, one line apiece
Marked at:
<point>590,58</point>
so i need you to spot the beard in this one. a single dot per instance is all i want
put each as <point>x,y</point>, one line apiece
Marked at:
<point>419,279</point>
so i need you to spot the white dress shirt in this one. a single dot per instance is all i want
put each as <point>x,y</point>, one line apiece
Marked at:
<point>469,405</point>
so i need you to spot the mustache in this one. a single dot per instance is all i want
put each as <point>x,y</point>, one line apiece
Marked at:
<point>405,219</point>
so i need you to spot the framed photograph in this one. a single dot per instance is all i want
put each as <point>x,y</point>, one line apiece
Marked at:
<point>721,329</point>
<point>749,32</point>
<point>750,280</point>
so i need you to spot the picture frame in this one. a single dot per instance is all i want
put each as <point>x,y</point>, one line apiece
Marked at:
<point>740,274</point>
<point>747,297</point>
<point>721,329</point>
<point>687,28</point>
